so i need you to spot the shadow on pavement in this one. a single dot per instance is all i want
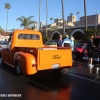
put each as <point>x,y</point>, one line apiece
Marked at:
<point>57,83</point>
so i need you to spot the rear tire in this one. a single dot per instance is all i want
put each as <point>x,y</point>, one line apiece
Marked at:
<point>18,69</point>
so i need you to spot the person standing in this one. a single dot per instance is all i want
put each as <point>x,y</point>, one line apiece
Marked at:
<point>66,42</point>
<point>59,42</point>
<point>90,48</point>
<point>72,43</point>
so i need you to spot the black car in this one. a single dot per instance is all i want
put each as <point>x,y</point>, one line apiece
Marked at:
<point>96,51</point>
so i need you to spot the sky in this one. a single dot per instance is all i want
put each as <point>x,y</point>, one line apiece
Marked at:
<point>31,8</point>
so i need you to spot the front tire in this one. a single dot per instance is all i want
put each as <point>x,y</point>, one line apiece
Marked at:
<point>74,56</point>
<point>18,69</point>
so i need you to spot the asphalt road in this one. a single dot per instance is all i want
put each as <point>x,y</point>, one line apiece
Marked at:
<point>79,83</point>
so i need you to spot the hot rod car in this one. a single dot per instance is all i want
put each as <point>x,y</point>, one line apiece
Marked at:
<point>26,53</point>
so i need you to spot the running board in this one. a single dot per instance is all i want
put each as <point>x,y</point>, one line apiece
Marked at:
<point>9,64</point>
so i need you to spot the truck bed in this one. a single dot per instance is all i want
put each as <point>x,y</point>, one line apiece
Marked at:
<point>52,58</point>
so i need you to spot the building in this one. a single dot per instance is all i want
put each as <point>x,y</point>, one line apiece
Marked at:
<point>71,18</point>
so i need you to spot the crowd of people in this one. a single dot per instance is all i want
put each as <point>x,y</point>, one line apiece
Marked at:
<point>69,42</point>
<point>66,42</point>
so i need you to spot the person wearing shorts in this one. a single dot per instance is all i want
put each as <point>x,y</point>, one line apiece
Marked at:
<point>90,48</point>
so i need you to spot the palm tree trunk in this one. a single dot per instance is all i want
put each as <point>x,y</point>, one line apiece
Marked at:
<point>78,18</point>
<point>46,17</point>
<point>85,13</point>
<point>39,12</point>
<point>7,20</point>
<point>62,1</point>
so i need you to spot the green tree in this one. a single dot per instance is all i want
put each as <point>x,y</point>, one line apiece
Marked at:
<point>26,22</point>
<point>51,19</point>
<point>71,14</point>
<point>45,39</point>
<point>7,6</point>
<point>1,29</point>
<point>12,29</point>
<point>89,33</point>
<point>77,13</point>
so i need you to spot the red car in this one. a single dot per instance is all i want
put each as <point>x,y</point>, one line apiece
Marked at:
<point>78,51</point>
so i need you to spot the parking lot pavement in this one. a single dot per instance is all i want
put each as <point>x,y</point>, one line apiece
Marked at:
<point>76,84</point>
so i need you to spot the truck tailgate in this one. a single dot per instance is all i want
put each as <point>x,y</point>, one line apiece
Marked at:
<point>54,58</point>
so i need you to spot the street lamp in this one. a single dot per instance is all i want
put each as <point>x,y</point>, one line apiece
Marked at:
<point>96,22</point>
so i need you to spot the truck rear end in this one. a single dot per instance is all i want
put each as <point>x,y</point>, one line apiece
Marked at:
<point>54,58</point>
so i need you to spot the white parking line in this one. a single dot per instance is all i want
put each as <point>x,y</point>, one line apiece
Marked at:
<point>84,78</point>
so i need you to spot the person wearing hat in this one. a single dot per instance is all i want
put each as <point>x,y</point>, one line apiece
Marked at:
<point>90,48</point>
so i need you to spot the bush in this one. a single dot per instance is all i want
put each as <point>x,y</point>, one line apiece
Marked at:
<point>89,33</point>
<point>45,39</point>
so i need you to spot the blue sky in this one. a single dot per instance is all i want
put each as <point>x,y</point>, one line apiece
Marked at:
<point>30,7</point>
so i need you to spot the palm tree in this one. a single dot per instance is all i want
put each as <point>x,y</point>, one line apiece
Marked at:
<point>39,12</point>
<point>71,14</point>
<point>12,29</point>
<point>26,22</point>
<point>72,17</point>
<point>46,17</point>
<point>7,6</point>
<point>62,2</point>
<point>85,14</point>
<point>78,16</point>
<point>51,19</point>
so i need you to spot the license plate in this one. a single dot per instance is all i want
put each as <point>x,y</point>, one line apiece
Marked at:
<point>54,66</point>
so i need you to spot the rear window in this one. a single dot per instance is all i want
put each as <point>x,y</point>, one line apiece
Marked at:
<point>28,36</point>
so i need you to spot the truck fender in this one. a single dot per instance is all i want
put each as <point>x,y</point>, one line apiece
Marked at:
<point>27,62</point>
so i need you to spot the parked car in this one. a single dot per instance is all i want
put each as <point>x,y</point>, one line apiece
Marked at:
<point>96,51</point>
<point>78,51</point>
<point>51,43</point>
<point>3,44</point>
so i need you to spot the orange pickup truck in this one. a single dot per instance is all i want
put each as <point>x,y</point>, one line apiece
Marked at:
<point>27,54</point>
